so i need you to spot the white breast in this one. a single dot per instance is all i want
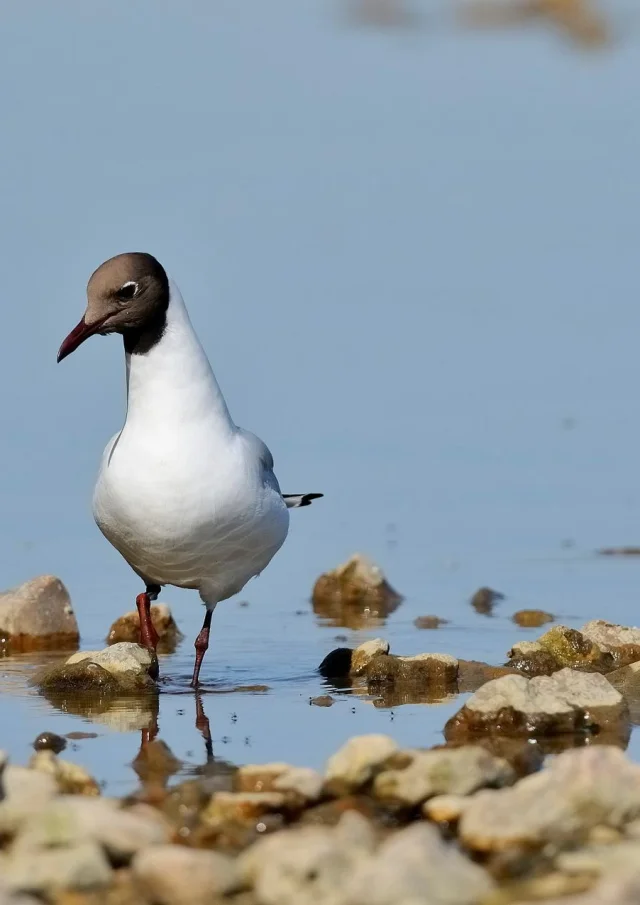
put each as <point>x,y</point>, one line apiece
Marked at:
<point>183,494</point>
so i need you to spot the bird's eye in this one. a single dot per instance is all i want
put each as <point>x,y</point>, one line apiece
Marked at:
<point>128,290</point>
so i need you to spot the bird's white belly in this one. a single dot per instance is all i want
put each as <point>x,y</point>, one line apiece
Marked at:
<point>175,525</point>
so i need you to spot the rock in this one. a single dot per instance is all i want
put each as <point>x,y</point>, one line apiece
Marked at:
<point>429,622</point>
<point>441,771</point>
<point>355,588</point>
<point>362,656</point>
<point>445,808</point>
<point>123,668</point>
<point>69,778</point>
<point>337,664</point>
<point>532,618</point>
<point>623,642</point>
<point>258,777</point>
<point>560,647</point>
<point>421,670</point>
<point>484,600</point>
<point>473,674</point>
<point>356,763</point>
<point>627,681</point>
<point>307,866</point>
<point>579,790</point>
<point>241,807</point>
<point>415,866</point>
<point>175,875</point>
<point>49,741</point>
<point>38,615</point>
<point>566,702</point>
<point>610,890</point>
<point>23,793</point>
<point>322,700</point>
<point>127,628</point>
<point>74,819</point>
<point>80,867</point>
<point>300,783</point>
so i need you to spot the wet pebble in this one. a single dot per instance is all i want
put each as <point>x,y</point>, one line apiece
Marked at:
<point>532,618</point>
<point>356,763</point>
<point>485,599</point>
<point>175,875</point>
<point>357,587</point>
<point>323,700</point>
<point>38,615</point>
<point>49,741</point>
<point>127,628</point>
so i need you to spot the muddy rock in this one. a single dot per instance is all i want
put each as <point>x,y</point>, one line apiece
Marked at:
<point>357,762</point>
<point>566,702</point>
<point>175,875</point>
<point>415,865</point>
<point>429,622</point>
<point>558,648</point>
<point>532,618</point>
<point>473,674</point>
<point>484,600</point>
<point>23,793</point>
<point>357,587</point>
<point>311,865</point>
<point>362,656</point>
<point>579,790</point>
<point>121,669</point>
<point>69,778</point>
<point>322,700</point>
<point>417,671</point>
<point>127,628</point>
<point>38,615</point>
<point>458,771</point>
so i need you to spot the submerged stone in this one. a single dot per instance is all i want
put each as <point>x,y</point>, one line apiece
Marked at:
<point>532,618</point>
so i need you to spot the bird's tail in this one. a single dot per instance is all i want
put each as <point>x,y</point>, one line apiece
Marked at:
<point>295,500</point>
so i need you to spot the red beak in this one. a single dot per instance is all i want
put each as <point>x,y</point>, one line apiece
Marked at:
<point>77,336</point>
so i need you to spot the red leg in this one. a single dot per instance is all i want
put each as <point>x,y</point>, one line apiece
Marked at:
<point>201,645</point>
<point>148,634</point>
<point>202,723</point>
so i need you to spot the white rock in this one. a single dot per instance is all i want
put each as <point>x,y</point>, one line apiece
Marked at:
<point>357,761</point>
<point>176,875</point>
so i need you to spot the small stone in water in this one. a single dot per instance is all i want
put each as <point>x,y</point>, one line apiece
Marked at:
<point>429,622</point>
<point>532,618</point>
<point>484,599</point>
<point>49,741</point>
<point>323,700</point>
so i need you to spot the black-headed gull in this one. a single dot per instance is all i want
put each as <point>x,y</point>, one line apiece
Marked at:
<point>187,498</point>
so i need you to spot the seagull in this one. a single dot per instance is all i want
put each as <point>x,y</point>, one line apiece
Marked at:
<point>186,496</point>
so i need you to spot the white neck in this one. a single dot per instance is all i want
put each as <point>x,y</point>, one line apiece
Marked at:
<point>173,384</point>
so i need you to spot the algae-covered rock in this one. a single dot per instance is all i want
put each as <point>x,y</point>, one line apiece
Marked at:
<point>532,618</point>
<point>484,600</point>
<point>422,669</point>
<point>357,588</point>
<point>558,648</point>
<point>123,668</point>
<point>38,615</point>
<point>566,702</point>
<point>429,622</point>
<point>362,656</point>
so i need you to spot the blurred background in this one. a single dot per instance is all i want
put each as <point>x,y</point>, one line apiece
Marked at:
<point>407,236</point>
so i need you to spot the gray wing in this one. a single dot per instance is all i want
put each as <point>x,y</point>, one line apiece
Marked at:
<point>263,453</point>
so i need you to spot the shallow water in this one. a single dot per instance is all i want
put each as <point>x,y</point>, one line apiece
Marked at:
<point>412,257</point>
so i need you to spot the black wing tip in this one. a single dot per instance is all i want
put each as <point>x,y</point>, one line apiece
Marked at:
<point>305,499</point>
